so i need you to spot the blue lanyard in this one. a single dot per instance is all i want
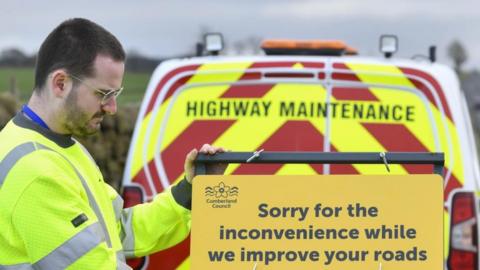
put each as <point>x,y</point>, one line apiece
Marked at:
<point>32,115</point>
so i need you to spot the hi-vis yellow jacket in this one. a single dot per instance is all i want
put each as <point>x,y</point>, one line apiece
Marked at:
<point>56,211</point>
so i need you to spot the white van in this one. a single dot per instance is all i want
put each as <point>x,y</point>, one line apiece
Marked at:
<point>308,96</point>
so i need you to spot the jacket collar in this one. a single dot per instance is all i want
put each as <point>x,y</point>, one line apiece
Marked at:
<point>63,141</point>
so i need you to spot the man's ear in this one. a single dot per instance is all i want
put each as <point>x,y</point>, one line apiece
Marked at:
<point>60,83</point>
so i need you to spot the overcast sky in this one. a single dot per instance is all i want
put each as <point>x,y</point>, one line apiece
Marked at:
<point>164,28</point>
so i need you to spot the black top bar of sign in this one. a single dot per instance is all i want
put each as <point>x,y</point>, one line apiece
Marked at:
<point>436,159</point>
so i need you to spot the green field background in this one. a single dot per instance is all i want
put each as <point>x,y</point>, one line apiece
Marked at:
<point>135,84</point>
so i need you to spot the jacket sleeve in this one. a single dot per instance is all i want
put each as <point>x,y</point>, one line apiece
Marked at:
<point>153,226</point>
<point>56,223</point>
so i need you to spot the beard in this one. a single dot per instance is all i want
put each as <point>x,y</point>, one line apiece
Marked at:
<point>78,122</point>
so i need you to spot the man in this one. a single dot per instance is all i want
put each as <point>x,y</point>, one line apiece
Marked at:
<point>56,211</point>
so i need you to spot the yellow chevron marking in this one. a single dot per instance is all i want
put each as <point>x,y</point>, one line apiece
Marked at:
<point>343,140</point>
<point>212,72</point>
<point>422,124</point>
<point>140,155</point>
<point>180,121</point>
<point>185,265</point>
<point>342,130</point>
<point>177,121</point>
<point>397,78</point>
<point>138,148</point>
<point>298,66</point>
<point>422,127</point>
<point>155,129</point>
<point>380,74</point>
<point>205,92</point>
<point>248,134</point>
<point>219,72</point>
<point>289,169</point>
<point>456,155</point>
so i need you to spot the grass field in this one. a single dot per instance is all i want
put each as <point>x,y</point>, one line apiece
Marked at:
<point>135,84</point>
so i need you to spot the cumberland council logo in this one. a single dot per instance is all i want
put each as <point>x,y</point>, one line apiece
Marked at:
<point>221,195</point>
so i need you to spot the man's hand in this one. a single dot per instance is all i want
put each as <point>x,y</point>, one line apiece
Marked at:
<point>216,168</point>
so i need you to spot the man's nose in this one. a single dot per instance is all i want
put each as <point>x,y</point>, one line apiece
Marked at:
<point>110,107</point>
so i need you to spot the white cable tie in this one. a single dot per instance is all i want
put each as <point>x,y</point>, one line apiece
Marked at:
<point>383,156</point>
<point>255,155</point>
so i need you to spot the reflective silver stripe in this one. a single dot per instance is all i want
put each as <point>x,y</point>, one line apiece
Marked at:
<point>121,262</point>
<point>94,206</point>
<point>22,266</point>
<point>128,239</point>
<point>12,157</point>
<point>123,266</point>
<point>73,249</point>
<point>117,204</point>
<point>121,256</point>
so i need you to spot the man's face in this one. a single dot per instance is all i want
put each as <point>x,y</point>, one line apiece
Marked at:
<point>83,111</point>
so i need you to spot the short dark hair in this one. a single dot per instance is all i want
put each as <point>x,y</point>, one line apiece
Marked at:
<point>73,46</point>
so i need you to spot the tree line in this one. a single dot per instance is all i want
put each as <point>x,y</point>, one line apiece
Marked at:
<point>136,62</point>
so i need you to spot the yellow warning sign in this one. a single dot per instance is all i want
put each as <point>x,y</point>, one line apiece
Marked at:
<point>334,222</point>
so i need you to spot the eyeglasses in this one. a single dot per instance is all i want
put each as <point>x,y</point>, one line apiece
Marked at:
<point>106,94</point>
